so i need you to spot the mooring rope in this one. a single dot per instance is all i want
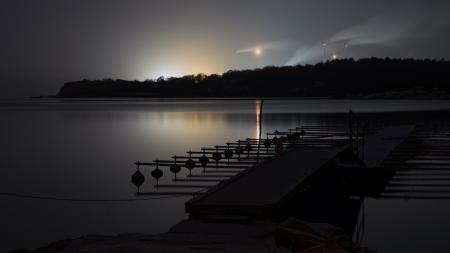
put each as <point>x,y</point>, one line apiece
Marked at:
<point>26,196</point>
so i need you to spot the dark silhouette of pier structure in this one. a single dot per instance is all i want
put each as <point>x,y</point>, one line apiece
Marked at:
<point>316,173</point>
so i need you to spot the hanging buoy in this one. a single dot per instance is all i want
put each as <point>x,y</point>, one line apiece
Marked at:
<point>203,161</point>
<point>157,174</point>
<point>291,136</point>
<point>216,156</point>
<point>302,133</point>
<point>248,147</point>
<point>279,146</point>
<point>275,140</point>
<point>138,179</point>
<point>239,150</point>
<point>267,143</point>
<point>295,137</point>
<point>175,168</point>
<point>228,153</point>
<point>190,164</point>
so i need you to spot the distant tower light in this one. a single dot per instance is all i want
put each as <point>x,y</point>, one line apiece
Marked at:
<point>335,56</point>
<point>257,51</point>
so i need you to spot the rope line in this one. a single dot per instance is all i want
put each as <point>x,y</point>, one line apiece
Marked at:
<point>25,196</point>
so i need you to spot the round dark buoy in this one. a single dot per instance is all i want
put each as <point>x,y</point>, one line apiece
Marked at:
<point>267,143</point>
<point>216,156</point>
<point>138,179</point>
<point>190,164</point>
<point>175,168</point>
<point>295,137</point>
<point>248,147</point>
<point>275,140</point>
<point>203,161</point>
<point>228,153</point>
<point>239,150</point>
<point>290,137</point>
<point>157,174</point>
<point>279,146</point>
<point>302,133</point>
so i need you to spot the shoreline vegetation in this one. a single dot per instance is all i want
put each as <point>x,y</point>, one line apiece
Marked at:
<point>373,78</point>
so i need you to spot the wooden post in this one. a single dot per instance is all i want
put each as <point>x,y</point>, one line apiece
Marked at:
<point>260,129</point>
<point>350,128</point>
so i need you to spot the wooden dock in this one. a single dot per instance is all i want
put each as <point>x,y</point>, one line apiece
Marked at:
<point>263,189</point>
<point>370,178</point>
<point>379,146</point>
<point>263,177</point>
<point>266,188</point>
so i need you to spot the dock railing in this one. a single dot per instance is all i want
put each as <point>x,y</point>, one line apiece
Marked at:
<point>210,166</point>
<point>357,132</point>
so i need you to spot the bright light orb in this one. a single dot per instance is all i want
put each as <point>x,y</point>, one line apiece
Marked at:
<point>335,56</point>
<point>257,51</point>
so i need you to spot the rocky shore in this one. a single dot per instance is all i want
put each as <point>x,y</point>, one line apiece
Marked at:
<point>200,236</point>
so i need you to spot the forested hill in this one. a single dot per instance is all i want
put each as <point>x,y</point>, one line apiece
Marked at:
<point>336,79</point>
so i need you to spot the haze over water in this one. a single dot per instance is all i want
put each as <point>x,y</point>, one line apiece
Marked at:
<point>86,149</point>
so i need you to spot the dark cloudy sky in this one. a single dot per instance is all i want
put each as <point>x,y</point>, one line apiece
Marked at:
<point>47,42</point>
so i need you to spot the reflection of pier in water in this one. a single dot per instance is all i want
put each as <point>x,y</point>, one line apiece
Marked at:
<point>419,168</point>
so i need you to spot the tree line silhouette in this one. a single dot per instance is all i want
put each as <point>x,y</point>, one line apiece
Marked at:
<point>334,79</point>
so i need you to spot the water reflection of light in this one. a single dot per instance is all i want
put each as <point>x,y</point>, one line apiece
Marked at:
<point>258,119</point>
<point>181,131</point>
<point>190,122</point>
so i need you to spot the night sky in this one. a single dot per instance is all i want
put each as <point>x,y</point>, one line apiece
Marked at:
<point>48,42</point>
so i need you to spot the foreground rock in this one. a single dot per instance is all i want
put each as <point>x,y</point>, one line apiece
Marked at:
<point>198,236</point>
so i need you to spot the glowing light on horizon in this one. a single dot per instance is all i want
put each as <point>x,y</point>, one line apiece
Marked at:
<point>335,56</point>
<point>164,71</point>
<point>258,49</point>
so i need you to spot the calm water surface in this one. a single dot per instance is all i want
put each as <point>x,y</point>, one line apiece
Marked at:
<point>86,149</point>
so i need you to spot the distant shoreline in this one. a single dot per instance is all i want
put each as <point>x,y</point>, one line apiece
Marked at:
<point>372,78</point>
<point>226,98</point>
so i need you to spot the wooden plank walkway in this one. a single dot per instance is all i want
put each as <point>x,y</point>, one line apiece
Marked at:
<point>263,188</point>
<point>379,146</point>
